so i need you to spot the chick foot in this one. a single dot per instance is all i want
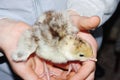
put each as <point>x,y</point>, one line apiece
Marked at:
<point>73,67</point>
<point>47,73</point>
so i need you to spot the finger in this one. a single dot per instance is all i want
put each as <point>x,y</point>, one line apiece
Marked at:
<point>28,69</point>
<point>91,76</point>
<point>87,68</point>
<point>88,23</point>
<point>73,66</point>
<point>38,65</point>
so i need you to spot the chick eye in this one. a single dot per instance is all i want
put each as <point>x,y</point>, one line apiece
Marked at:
<point>81,55</point>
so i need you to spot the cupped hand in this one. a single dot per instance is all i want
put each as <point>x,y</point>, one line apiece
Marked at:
<point>32,68</point>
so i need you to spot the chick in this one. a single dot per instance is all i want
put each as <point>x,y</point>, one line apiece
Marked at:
<point>54,38</point>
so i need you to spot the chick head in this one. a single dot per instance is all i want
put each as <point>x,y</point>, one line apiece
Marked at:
<point>76,48</point>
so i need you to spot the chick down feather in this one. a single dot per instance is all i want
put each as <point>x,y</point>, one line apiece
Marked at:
<point>54,38</point>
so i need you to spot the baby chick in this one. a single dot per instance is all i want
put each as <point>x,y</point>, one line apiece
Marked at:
<point>54,38</point>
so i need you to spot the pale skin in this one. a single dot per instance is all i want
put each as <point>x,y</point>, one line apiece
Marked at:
<point>33,67</point>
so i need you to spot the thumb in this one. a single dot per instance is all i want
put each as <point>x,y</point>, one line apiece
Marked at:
<point>88,23</point>
<point>85,23</point>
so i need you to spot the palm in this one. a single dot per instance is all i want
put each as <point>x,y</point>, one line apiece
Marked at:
<point>28,70</point>
<point>34,68</point>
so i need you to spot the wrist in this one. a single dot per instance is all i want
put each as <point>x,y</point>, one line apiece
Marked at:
<point>10,33</point>
<point>4,29</point>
